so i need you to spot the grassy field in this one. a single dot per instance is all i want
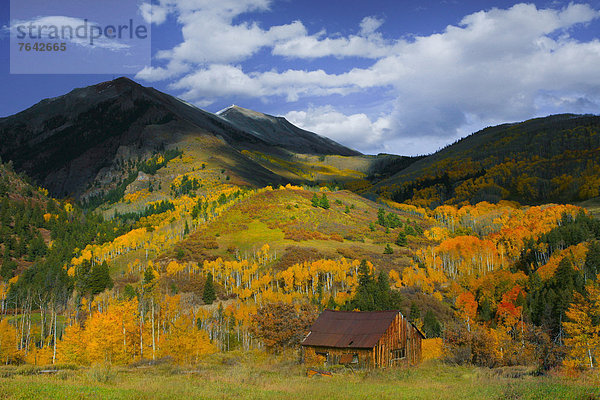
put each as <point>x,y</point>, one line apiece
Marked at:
<point>592,205</point>
<point>259,377</point>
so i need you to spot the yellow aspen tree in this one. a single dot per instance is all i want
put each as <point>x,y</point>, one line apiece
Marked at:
<point>72,348</point>
<point>8,342</point>
<point>583,337</point>
<point>186,343</point>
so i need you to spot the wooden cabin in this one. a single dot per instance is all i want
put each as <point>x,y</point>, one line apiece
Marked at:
<point>363,339</point>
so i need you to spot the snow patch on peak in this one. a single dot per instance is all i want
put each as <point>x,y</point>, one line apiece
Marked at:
<point>233,106</point>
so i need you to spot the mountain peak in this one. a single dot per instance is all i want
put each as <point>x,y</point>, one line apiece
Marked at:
<point>120,85</point>
<point>227,112</point>
<point>278,131</point>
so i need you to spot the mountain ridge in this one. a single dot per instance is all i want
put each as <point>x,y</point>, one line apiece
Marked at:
<point>551,158</point>
<point>72,141</point>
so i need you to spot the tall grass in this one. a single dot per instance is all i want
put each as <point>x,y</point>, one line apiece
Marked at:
<point>254,375</point>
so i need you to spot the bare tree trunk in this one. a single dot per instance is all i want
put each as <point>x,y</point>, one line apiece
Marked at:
<point>153,335</point>
<point>42,323</point>
<point>54,350</point>
<point>141,335</point>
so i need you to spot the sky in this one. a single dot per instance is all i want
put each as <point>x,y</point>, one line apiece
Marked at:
<point>403,77</point>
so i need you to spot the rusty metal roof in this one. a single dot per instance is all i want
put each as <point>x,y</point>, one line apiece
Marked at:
<point>349,329</point>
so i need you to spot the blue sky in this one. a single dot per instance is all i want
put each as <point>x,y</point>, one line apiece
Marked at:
<point>404,77</point>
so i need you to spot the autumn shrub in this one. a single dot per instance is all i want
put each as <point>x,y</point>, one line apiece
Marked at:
<point>28,369</point>
<point>432,349</point>
<point>313,359</point>
<point>102,373</point>
<point>65,367</point>
<point>299,235</point>
<point>543,352</point>
<point>281,325</point>
<point>229,358</point>
<point>336,237</point>
<point>63,374</point>
<point>297,255</point>
<point>464,346</point>
<point>210,244</point>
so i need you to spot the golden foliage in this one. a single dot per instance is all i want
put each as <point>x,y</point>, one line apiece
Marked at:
<point>432,349</point>
<point>8,342</point>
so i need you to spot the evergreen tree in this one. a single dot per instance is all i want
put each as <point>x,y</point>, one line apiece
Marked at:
<point>382,294</point>
<point>373,294</point>
<point>7,269</point>
<point>592,261</point>
<point>401,240</point>
<point>99,279</point>
<point>319,297</point>
<point>324,203</point>
<point>364,300</point>
<point>315,200</point>
<point>37,248</point>
<point>148,275</point>
<point>547,301</point>
<point>388,249</point>
<point>331,305</point>
<point>129,292</point>
<point>431,326</point>
<point>381,217</point>
<point>415,313</point>
<point>209,296</point>
<point>485,311</point>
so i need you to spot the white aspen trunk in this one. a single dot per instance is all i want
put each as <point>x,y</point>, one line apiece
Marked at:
<point>141,334</point>
<point>54,349</point>
<point>153,336</point>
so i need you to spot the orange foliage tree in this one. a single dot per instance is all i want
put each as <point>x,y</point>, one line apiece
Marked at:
<point>281,325</point>
<point>467,307</point>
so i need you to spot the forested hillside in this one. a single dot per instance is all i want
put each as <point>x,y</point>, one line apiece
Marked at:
<point>195,274</point>
<point>552,159</point>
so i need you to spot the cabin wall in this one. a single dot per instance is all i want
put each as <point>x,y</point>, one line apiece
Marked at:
<point>400,338</point>
<point>365,356</point>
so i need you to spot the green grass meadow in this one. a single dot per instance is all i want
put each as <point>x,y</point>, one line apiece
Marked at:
<point>266,377</point>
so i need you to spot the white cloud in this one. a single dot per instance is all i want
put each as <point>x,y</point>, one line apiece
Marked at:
<point>355,130</point>
<point>153,14</point>
<point>369,25</point>
<point>210,35</point>
<point>496,65</point>
<point>367,44</point>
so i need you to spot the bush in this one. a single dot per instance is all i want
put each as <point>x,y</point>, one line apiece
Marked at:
<point>281,325</point>
<point>388,249</point>
<point>469,347</point>
<point>102,373</point>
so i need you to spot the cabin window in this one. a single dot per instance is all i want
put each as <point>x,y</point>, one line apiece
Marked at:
<point>348,358</point>
<point>323,354</point>
<point>398,354</point>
